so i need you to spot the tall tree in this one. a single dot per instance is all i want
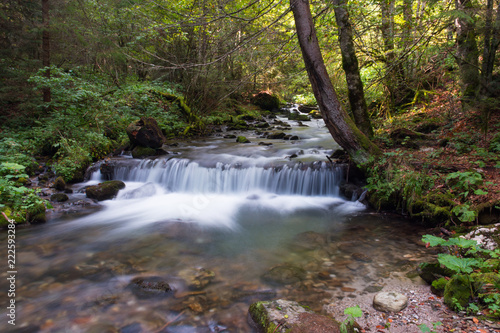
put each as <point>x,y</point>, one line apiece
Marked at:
<point>46,46</point>
<point>338,122</point>
<point>491,41</point>
<point>351,68</point>
<point>467,51</point>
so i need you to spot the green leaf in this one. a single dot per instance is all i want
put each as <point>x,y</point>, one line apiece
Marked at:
<point>480,192</point>
<point>433,240</point>
<point>459,265</point>
<point>354,311</point>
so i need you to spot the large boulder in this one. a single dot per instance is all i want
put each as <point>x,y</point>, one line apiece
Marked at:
<point>146,133</point>
<point>287,316</point>
<point>104,191</point>
<point>266,101</point>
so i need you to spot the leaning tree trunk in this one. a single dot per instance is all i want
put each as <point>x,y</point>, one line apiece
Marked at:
<point>467,52</point>
<point>351,69</point>
<point>338,122</point>
<point>46,48</point>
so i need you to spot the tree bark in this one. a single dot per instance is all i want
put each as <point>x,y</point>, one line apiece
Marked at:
<point>338,122</point>
<point>467,51</point>
<point>491,42</point>
<point>46,47</point>
<point>351,68</point>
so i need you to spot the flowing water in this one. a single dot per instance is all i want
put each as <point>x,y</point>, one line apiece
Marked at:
<point>223,224</point>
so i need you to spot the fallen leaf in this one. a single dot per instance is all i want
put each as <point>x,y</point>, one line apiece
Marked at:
<point>475,320</point>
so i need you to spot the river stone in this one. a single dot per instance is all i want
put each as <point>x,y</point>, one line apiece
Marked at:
<point>277,135</point>
<point>150,286</point>
<point>104,191</point>
<point>146,133</point>
<point>288,316</point>
<point>309,240</point>
<point>242,139</point>
<point>59,197</point>
<point>389,301</point>
<point>284,274</point>
<point>59,184</point>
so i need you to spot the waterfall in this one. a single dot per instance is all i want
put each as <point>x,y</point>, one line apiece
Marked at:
<point>182,175</point>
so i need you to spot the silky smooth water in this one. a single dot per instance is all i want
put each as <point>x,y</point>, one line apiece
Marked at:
<point>209,208</point>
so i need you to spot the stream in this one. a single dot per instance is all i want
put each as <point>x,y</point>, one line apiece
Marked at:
<point>201,233</point>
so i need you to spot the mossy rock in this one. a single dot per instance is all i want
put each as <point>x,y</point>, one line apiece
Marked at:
<point>429,272</point>
<point>59,197</point>
<point>141,152</point>
<point>437,286</point>
<point>239,125</point>
<point>104,191</point>
<point>457,292</point>
<point>242,139</point>
<point>36,214</point>
<point>277,136</point>
<point>298,117</point>
<point>482,281</point>
<point>59,184</point>
<point>290,317</point>
<point>266,101</point>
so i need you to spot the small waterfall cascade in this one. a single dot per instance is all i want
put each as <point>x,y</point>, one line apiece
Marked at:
<point>183,175</point>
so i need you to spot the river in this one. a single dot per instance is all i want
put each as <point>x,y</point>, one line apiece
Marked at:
<point>222,224</point>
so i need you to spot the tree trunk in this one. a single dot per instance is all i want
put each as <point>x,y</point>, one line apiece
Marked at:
<point>351,69</point>
<point>467,52</point>
<point>491,42</point>
<point>46,47</point>
<point>338,122</point>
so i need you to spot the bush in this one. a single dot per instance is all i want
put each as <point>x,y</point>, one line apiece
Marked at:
<point>17,201</point>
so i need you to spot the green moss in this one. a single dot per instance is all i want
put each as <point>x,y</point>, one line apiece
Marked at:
<point>140,152</point>
<point>438,286</point>
<point>457,292</point>
<point>242,139</point>
<point>258,313</point>
<point>59,184</point>
<point>104,191</point>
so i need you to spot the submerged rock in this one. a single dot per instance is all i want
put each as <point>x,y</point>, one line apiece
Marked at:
<point>104,191</point>
<point>150,286</point>
<point>390,302</point>
<point>145,191</point>
<point>284,274</point>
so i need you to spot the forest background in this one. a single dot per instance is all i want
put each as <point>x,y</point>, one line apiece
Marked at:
<point>75,74</point>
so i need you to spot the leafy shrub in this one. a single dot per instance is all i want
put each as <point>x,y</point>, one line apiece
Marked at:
<point>17,201</point>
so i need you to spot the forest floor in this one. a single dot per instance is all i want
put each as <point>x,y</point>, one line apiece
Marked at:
<point>448,145</point>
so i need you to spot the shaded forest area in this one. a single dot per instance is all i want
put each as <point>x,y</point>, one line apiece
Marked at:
<point>419,78</point>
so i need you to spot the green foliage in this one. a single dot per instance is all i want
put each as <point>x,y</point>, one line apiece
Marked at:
<point>464,182</point>
<point>351,312</point>
<point>465,258</point>
<point>425,329</point>
<point>17,201</point>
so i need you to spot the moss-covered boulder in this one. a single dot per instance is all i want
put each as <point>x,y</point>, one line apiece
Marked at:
<point>105,191</point>
<point>437,286</point>
<point>242,139</point>
<point>290,317</point>
<point>141,152</point>
<point>277,136</point>
<point>267,101</point>
<point>146,133</point>
<point>431,271</point>
<point>59,197</point>
<point>59,184</point>
<point>36,214</point>
<point>457,292</point>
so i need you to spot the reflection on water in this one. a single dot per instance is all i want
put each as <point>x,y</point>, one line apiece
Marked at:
<point>176,253</point>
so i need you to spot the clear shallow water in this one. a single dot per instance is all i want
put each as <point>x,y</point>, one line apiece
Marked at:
<point>202,216</point>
